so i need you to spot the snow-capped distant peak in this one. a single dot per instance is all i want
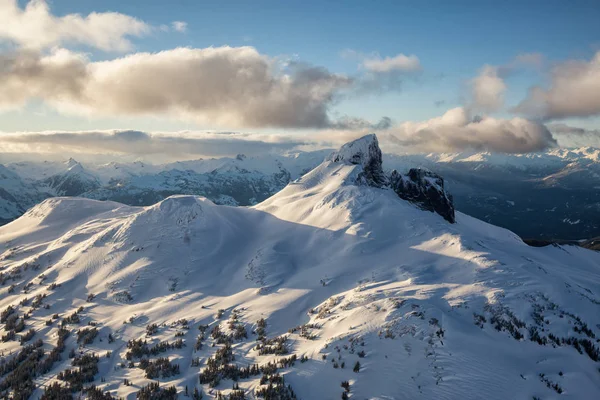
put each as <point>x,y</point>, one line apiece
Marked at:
<point>71,162</point>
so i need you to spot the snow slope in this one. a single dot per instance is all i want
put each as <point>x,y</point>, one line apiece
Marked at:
<point>342,272</point>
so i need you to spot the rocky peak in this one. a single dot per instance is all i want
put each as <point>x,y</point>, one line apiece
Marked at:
<point>364,151</point>
<point>419,186</point>
<point>425,189</point>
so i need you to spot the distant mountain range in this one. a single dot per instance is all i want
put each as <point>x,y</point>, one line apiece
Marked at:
<point>550,195</point>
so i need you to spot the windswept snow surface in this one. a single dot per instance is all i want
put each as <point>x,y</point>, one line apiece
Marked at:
<point>429,309</point>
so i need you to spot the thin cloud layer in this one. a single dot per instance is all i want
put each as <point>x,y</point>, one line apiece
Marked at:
<point>34,27</point>
<point>234,87</point>
<point>457,131</point>
<point>569,136</point>
<point>400,62</point>
<point>180,145</point>
<point>574,91</point>
<point>451,132</point>
<point>179,26</point>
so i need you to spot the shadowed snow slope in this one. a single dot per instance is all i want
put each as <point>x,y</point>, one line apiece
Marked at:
<point>347,274</point>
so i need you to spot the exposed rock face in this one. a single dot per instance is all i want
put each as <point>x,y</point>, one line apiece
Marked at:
<point>424,188</point>
<point>366,152</point>
<point>419,186</point>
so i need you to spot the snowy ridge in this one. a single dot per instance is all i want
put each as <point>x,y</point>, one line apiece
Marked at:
<point>532,194</point>
<point>341,286</point>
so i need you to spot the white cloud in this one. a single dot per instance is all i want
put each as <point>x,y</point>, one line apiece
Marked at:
<point>453,131</point>
<point>457,131</point>
<point>574,91</point>
<point>34,27</point>
<point>179,26</point>
<point>487,90</point>
<point>380,75</point>
<point>234,87</point>
<point>400,62</point>
<point>27,75</point>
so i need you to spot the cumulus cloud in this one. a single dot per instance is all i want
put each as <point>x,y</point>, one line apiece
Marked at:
<point>236,87</point>
<point>574,91</point>
<point>34,27</point>
<point>179,26</point>
<point>487,90</point>
<point>179,145</point>
<point>26,75</point>
<point>400,62</point>
<point>457,131</point>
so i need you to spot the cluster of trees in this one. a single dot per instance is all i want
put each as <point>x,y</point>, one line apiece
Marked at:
<point>276,389</point>
<point>7,312</point>
<point>151,329</point>
<point>56,391</point>
<point>87,369</point>
<point>220,367</point>
<point>261,329</point>
<point>504,319</point>
<point>237,328</point>
<point>346,386</point>
<point>27,336</point>
<point>235,394</point>
<point>153,391</point>
<point>219,336</point>
<point>550,384</point>
<point>161,367</point>
<point>276,345</point>
<point>306,331</point>
<point>139,348</point>
<point>54,355</point>
<point>28,364</point>
<point>94,393</point>
<point>21,371</point>
<point>86,335</point>
<point>71,319</point>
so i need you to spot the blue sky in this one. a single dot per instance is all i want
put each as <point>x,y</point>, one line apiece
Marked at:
<point>453,41</point>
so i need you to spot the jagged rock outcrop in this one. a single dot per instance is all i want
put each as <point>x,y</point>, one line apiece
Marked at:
<point>424,188</point>
<point>419,186</point>
<point>366,152</point>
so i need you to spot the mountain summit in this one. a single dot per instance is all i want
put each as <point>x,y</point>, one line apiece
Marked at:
<point>420,187</point>
<point>343,284</point>
<point>365,152</point>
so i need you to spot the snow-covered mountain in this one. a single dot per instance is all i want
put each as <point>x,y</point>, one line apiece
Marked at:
<point>551,195</point>
<point>351,282</point>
